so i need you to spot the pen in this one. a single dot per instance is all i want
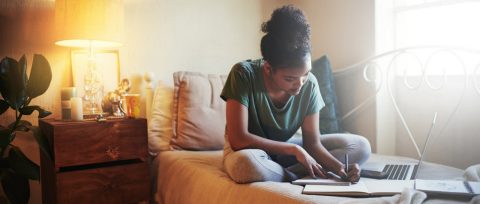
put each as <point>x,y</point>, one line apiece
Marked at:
<point>346,167</point>
<point>346,163</point>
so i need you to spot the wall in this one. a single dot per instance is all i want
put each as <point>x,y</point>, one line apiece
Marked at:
<point>342,29</point>
<point>27,28</point>
<point>210,36</point>
<point>164,36</point>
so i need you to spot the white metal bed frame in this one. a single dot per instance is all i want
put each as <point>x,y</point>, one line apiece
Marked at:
<point>379,76</point>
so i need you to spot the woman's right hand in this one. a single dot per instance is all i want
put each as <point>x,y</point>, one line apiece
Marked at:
<point>314,169</point>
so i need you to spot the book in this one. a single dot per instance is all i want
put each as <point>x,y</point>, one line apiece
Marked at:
<point>363,188</point>
<point>450,187</point>
<point>320,181</point>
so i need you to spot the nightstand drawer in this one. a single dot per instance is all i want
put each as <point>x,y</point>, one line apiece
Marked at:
<point>95,162</point>
<point>116,184</point>
<point>89,142</point>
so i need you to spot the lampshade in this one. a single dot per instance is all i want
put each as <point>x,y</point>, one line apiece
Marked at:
<point>89,23</point>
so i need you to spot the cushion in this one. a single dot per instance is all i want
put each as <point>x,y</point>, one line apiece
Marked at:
<point>198,116</point>
<point>160,129</point>
<point>329,117</point>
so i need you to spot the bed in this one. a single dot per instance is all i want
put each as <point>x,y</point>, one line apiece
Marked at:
<point>197,177</point>
<point>186,138</point>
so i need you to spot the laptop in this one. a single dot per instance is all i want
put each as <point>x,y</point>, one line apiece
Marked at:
<point>401,171</point>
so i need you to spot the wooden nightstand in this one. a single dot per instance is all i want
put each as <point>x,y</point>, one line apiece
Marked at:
<point>95,162</point>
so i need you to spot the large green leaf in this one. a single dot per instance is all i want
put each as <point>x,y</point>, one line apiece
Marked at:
<point>40,76</point>
<point>16,188</point>
<point>3,106</point>
<point>23,71</point>
<point>42,141</point>
<point>22,165</point>
<point>5,137</point>
<point>12,86</point>
<point>28,110</point>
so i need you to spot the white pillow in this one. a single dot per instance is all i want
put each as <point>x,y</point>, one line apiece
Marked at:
<point>190,115</point>
<point>160,129</point>
<point>198,111</point>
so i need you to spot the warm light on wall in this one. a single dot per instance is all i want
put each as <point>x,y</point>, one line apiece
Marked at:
<point>97,23</point>
<point>91,24</point>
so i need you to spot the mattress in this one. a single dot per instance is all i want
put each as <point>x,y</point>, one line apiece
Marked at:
<point>197,177</point>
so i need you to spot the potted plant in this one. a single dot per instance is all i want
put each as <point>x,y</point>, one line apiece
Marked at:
<point>17,91</point>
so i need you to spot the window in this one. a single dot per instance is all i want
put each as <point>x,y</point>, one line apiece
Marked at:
<point>437,22</point>
<point>411,23</point>
<point>449,85</point>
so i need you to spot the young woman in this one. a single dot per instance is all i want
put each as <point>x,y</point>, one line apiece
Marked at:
<point>269,99</point>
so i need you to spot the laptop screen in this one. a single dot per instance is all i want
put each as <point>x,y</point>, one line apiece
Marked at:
<point>414,176</point>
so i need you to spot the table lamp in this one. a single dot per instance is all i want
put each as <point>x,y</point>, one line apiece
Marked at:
<point>92,25</point>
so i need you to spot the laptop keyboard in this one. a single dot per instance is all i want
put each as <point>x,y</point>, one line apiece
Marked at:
<point>398,171</point>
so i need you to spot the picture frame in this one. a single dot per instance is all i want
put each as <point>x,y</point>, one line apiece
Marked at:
<point>108,66</point>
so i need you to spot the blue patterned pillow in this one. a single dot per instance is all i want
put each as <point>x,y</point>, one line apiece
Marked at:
<point>329,117</point>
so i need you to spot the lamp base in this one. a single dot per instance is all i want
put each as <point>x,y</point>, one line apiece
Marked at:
<point>91,106</point>
<point>93,88</point>
<point>92,111</point>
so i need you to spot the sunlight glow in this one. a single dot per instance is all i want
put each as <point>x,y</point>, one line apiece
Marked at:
<point>451,23</point>
<point>454,24</point>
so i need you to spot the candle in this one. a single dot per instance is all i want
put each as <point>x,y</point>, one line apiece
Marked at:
<point>77,112</point>
<point>66,94</point>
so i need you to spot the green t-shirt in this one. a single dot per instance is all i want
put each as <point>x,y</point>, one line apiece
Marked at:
<point>245,84</point>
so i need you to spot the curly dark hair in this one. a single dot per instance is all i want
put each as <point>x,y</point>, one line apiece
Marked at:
<point>287,39</point>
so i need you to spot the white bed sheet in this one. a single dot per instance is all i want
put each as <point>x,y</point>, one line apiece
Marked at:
<point>197,177</point>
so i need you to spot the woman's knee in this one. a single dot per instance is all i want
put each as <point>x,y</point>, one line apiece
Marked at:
<point>251,165</point>
<point>356,146</point>
<point>363,149</point>
<point>237,164</point>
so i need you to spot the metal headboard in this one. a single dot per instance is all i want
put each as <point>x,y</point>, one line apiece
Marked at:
<point>383,71</point>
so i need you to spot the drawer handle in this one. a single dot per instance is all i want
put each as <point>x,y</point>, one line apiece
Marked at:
<point>113,152</point>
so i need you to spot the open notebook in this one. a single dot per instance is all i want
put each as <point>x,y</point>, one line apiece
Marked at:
<point>362,188</point>
<point>392,187</point>
<point>320,181</point>
<point>448,187</point>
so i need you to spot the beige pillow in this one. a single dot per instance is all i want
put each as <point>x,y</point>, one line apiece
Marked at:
<point>160,129</point>
<point>198,115</point>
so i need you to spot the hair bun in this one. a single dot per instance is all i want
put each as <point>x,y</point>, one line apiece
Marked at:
<point>287,21</point>
<point>287,38</point>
